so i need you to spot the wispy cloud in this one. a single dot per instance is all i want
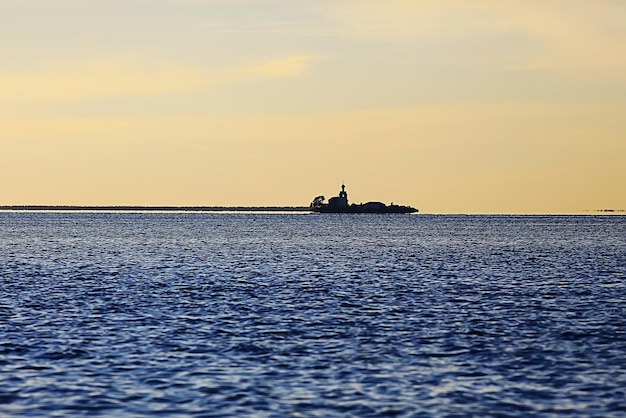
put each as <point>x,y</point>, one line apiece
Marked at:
<point>575,35</point>
<point>100,79</point>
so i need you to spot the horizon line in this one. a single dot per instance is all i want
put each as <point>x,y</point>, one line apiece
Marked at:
<point>202,208</point>
<point>151,208</point>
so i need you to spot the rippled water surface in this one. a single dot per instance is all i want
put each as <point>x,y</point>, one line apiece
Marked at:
<point>311,315</point>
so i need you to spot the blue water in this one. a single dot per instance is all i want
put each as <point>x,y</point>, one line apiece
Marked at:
<point>277,315</point>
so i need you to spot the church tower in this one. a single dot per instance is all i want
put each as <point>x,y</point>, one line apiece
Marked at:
<point>341,201</point>
<point>343,196</point>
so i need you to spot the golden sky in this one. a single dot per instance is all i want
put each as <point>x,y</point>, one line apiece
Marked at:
<point>451,106</point>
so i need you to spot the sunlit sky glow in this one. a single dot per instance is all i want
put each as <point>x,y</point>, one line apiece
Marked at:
<point>452,106</point>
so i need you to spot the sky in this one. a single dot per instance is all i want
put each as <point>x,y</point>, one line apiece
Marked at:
<point>450,106</point>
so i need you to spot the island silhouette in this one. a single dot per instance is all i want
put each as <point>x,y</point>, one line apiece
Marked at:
<point>339,204</point>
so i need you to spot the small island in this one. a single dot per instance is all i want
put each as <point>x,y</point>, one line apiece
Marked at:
<point>339,204</point>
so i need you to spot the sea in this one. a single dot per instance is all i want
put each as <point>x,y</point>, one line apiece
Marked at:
<point>311,315</point>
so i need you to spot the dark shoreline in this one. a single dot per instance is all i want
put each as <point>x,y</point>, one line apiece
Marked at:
<point>297,209</point>
<point>34,208</point>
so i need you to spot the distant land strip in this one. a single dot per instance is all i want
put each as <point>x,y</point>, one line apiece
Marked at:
<point>28,208</point>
